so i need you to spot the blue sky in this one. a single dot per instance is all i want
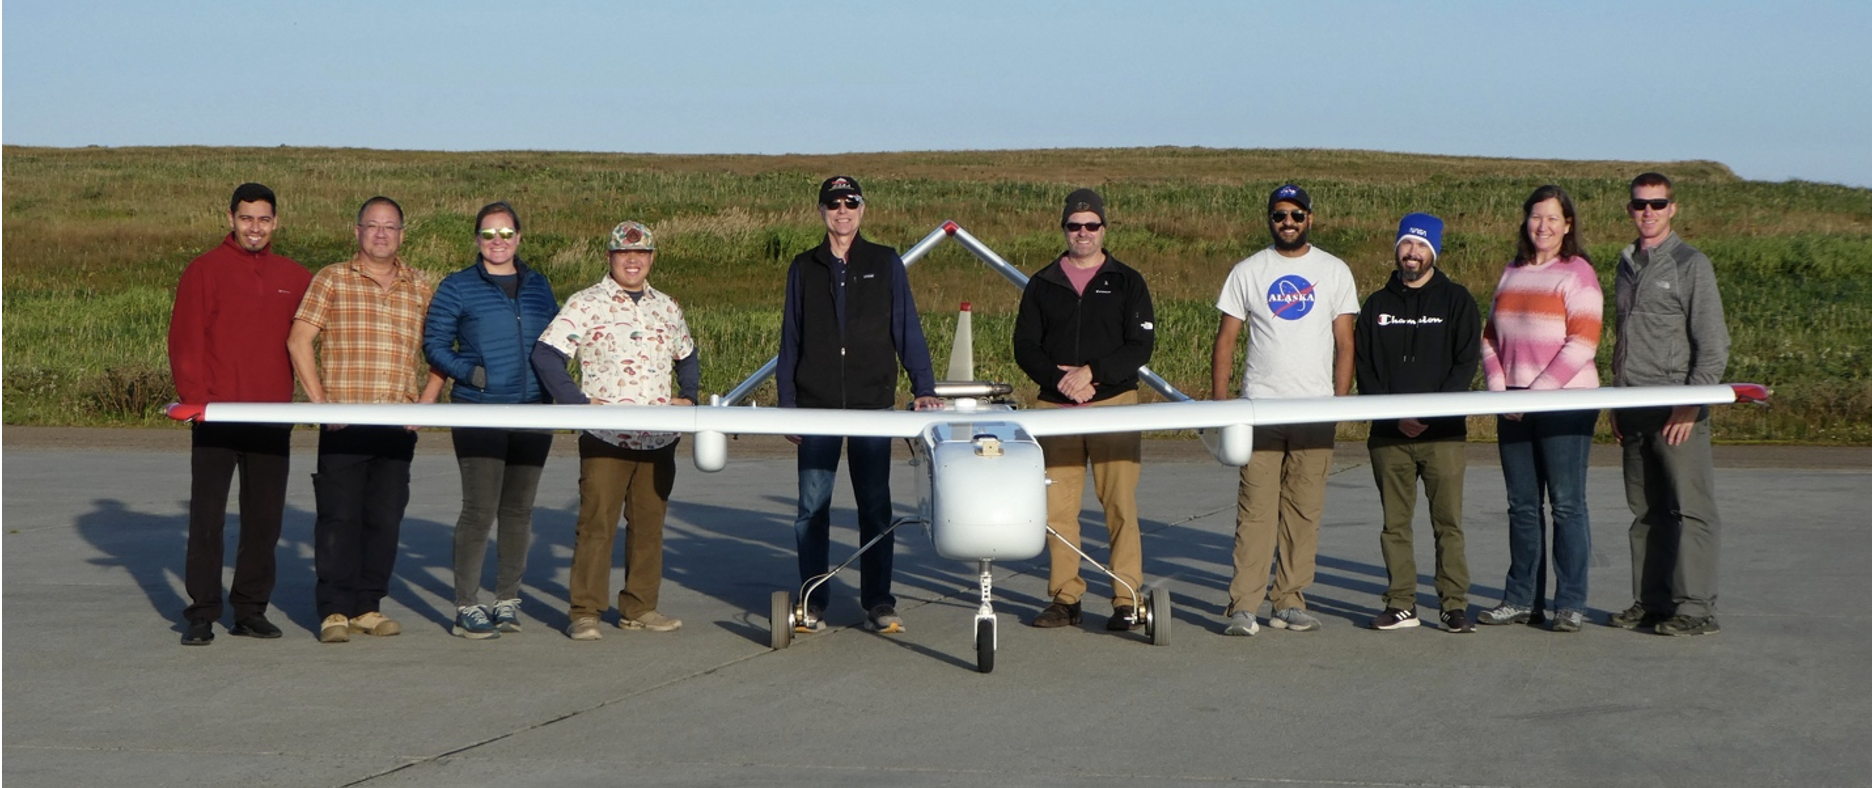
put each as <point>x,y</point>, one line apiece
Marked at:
<point>1775,91</point>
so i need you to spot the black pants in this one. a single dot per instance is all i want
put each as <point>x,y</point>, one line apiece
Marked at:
<point>362,487</point>
<point>261,453</point>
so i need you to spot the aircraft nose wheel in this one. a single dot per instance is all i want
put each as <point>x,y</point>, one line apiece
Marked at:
<point>1157,617</point>
<point>780,620</point>
<point>984,645</point>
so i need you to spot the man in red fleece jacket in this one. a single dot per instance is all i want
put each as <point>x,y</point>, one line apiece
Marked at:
<point>227,343</point>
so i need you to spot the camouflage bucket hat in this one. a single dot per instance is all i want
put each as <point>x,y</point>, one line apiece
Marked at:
<point>629,236</point>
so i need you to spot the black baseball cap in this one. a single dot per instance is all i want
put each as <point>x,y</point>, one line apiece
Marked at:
<point>840,186</point>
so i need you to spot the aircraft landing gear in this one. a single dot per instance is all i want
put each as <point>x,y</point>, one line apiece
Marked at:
<point>781,620</point>
<point>1157,616</point>
<point>985,627</point>
<point>784,616</point>
<point>1153,606</point>
<point>985,646</point>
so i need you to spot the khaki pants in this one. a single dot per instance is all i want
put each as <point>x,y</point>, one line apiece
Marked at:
<point>1277,508</point>
<point>637,484</point>
<point>1116,460</point>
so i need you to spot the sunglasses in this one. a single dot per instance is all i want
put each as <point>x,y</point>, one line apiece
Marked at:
<point>1299,217</point>
<point>503,233</point>
<point>1655,205</point>
<point>854,203</point>
<point>1091,227</point>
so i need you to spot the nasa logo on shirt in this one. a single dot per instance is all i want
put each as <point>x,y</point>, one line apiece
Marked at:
<point>1290,297</point>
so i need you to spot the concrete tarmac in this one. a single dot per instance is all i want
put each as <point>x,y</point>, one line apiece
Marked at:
<point>98,692</point>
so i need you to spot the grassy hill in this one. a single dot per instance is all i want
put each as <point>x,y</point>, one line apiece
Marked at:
<point>95,238</point>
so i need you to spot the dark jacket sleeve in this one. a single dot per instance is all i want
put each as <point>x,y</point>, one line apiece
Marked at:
<point>441,328</point>
<point>1029,341</point>
<point>550,365</point>
<point>1465,342</point>
<point>1364,364</point>
<point>907,333</point>
<point>786,363</point>
<point>689,375</point>
<point>1140,337</point>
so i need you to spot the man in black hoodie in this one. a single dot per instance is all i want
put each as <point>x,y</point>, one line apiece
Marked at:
<point>1420,333</point>
<point>1084,329</point>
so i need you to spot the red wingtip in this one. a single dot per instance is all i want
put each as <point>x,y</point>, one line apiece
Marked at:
<point>951,227</point>
<point>184,412</point>
<point>1751,393</point>
<point>965,306</point>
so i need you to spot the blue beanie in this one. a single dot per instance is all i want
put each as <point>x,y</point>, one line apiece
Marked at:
<point>1423,227</point>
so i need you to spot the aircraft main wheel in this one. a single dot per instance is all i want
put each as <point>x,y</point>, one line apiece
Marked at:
<point>780,619</point>
<point>984,645</point>
<point>1158,625</point>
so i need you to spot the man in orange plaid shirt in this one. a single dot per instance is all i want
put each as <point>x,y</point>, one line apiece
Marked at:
<point>366,317</point>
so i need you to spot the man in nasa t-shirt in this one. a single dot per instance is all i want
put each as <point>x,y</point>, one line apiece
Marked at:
<point>1299,304</point>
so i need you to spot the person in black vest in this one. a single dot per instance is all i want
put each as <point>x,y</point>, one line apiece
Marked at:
<point>1420,333</point>
<point>849,321</point>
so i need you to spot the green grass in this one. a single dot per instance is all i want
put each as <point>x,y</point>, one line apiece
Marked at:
<point>95,238</point>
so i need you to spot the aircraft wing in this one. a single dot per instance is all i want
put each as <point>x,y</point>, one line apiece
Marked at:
<point>1038,422</point>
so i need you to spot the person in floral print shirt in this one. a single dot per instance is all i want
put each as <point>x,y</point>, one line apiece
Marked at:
<point>628,338</point>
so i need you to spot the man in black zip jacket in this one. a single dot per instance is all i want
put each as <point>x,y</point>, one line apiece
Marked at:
<point>1085,327</point>
<point>849,321</point>
<point>1420,333</point>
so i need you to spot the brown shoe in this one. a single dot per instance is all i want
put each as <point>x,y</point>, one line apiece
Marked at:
<point>375,623</point>
<point>335,629</point>
<point>1057,614</point>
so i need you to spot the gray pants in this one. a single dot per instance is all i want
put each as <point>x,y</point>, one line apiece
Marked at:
<point>1675,531</point>
<point>500,472</point>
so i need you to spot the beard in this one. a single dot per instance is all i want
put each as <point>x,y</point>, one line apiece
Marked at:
<point>1299,241</point>
<point>1409,275</point>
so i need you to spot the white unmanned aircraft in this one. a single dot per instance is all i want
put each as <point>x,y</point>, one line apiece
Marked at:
<point>982,489</point>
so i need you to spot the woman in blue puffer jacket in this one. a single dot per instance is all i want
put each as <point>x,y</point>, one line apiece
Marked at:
<point>482,323</point>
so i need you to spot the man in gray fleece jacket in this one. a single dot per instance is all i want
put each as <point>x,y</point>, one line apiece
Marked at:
<point>1670,333</point>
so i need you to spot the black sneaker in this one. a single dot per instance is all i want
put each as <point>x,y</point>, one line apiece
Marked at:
<point>255,626</point>
<point>1689,625</point>
<point>1457,621</point>
<point>1124,618</point>
<point>1635,617</point>
<point>1057,614</point>
<point>1395,618</point>
<point>198,633</point>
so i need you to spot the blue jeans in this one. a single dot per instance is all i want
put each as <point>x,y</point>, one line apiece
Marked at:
<point>1545,454</point>
<point>870,478</point>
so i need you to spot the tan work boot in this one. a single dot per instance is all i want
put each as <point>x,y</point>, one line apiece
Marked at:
<point>335,629</point>
<point>375,623</point>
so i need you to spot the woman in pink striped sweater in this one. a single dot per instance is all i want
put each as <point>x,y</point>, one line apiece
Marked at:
<point>1543,333</point>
